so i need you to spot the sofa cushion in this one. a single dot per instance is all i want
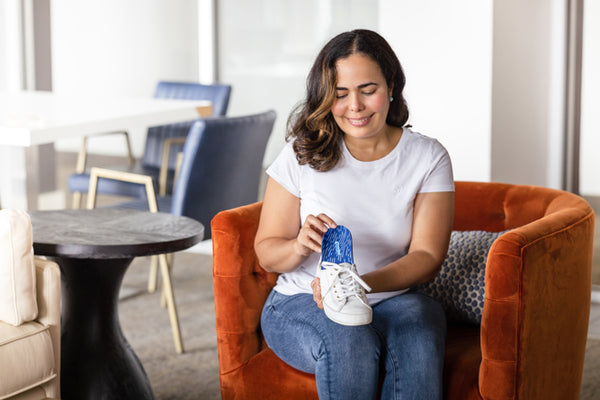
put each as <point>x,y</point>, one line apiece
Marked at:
<point>26,357</point>
<point>460,284</point>
<point>17,273</point>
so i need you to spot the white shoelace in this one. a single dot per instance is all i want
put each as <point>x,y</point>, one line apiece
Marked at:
<point>347,279</point>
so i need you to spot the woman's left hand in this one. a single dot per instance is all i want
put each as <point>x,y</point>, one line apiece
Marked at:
<point>316,288</point>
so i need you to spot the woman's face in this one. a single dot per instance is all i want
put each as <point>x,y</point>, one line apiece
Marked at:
<point>362,97</point>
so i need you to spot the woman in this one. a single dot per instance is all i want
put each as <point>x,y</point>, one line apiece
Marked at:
<point>351,161</point>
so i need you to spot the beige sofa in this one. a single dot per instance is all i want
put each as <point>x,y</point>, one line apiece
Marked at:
<point>29,315</point>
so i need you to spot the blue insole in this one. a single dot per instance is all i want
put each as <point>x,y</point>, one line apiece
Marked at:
<point>336,246</point>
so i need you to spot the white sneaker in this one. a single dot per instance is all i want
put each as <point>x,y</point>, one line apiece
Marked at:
<point>342,289</point>
<point>344,299</point>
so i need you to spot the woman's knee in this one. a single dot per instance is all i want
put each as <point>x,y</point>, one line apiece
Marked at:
<point>411,317</point>
<point>433,317</point>
<point>360,343</point>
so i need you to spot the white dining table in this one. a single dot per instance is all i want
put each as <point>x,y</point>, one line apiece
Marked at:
<point>31,121</point>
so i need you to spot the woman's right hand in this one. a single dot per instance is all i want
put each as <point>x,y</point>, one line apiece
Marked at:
<point>283,240</point>
<point>311,233</point>
<point>315,285</point>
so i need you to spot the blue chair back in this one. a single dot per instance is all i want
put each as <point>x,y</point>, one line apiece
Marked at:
<point>218,94</point>
<point>222,165</point>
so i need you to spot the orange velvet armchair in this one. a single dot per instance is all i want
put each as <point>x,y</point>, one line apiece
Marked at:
<point>531,342</point>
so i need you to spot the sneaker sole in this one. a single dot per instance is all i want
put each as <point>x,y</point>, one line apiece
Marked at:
<point>346,319</point>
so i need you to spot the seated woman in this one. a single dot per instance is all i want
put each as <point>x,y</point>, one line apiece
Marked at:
<point>351,160</point>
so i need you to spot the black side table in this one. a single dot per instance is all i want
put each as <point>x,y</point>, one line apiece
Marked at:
<point>94,248</point>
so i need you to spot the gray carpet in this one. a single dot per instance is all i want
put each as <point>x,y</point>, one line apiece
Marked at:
<point>590,385</point>
<point>194,374</point>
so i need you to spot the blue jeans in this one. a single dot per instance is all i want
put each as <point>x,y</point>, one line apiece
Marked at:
<point>405,341</point>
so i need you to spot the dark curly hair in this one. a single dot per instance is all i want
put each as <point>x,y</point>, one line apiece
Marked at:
<point>317,135</point>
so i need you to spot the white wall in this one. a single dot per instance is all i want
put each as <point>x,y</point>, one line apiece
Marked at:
<point>528,92</point>
<point>590,102</point>
<point>445,49</point>
<point>11,61</point>
<point>487,79</point>
<point>123,48</point>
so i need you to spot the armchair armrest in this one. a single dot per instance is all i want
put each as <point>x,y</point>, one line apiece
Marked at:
<point>97,173</point>
<point>47,276</point>
<point>241,286</point>
<point>48,292</point>
<point>82,156</point>
<point>536,310</point>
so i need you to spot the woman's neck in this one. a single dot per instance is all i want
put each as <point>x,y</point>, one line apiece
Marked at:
<point>373,148</point>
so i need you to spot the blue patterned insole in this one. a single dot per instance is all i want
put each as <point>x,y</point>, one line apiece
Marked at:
<point>337,246</point>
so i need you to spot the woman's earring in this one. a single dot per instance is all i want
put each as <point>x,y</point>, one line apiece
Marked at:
<point>391,98</point>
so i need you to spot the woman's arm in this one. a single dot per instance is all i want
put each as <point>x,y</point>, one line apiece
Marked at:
<point>282,242</point>
<point>432,225</point>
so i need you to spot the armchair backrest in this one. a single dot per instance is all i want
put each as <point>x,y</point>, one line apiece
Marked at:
<point>17,272</point>
<point>497,207</point>
<point>218,94</point>
<point>222,165</point>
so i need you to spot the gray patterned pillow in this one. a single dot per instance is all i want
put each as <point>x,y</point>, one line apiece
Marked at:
<point>460,284</point>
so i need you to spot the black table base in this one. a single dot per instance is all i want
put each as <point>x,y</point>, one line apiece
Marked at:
<point>97,362</point>
<point>94,249</point>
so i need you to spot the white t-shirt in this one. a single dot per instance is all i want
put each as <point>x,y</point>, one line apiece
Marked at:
<point>373,199</point>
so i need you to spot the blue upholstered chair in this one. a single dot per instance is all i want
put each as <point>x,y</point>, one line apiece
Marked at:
<point>152,159</point>
<point>220,168</point>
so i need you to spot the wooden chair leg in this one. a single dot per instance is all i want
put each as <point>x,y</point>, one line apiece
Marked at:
<point>76,200</point>
<point>168,289</point>
<point>163,263</point>
<point>163,296</point>
<point>153,275</point>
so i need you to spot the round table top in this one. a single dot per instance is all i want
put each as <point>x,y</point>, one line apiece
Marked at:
<point>111,233</point>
